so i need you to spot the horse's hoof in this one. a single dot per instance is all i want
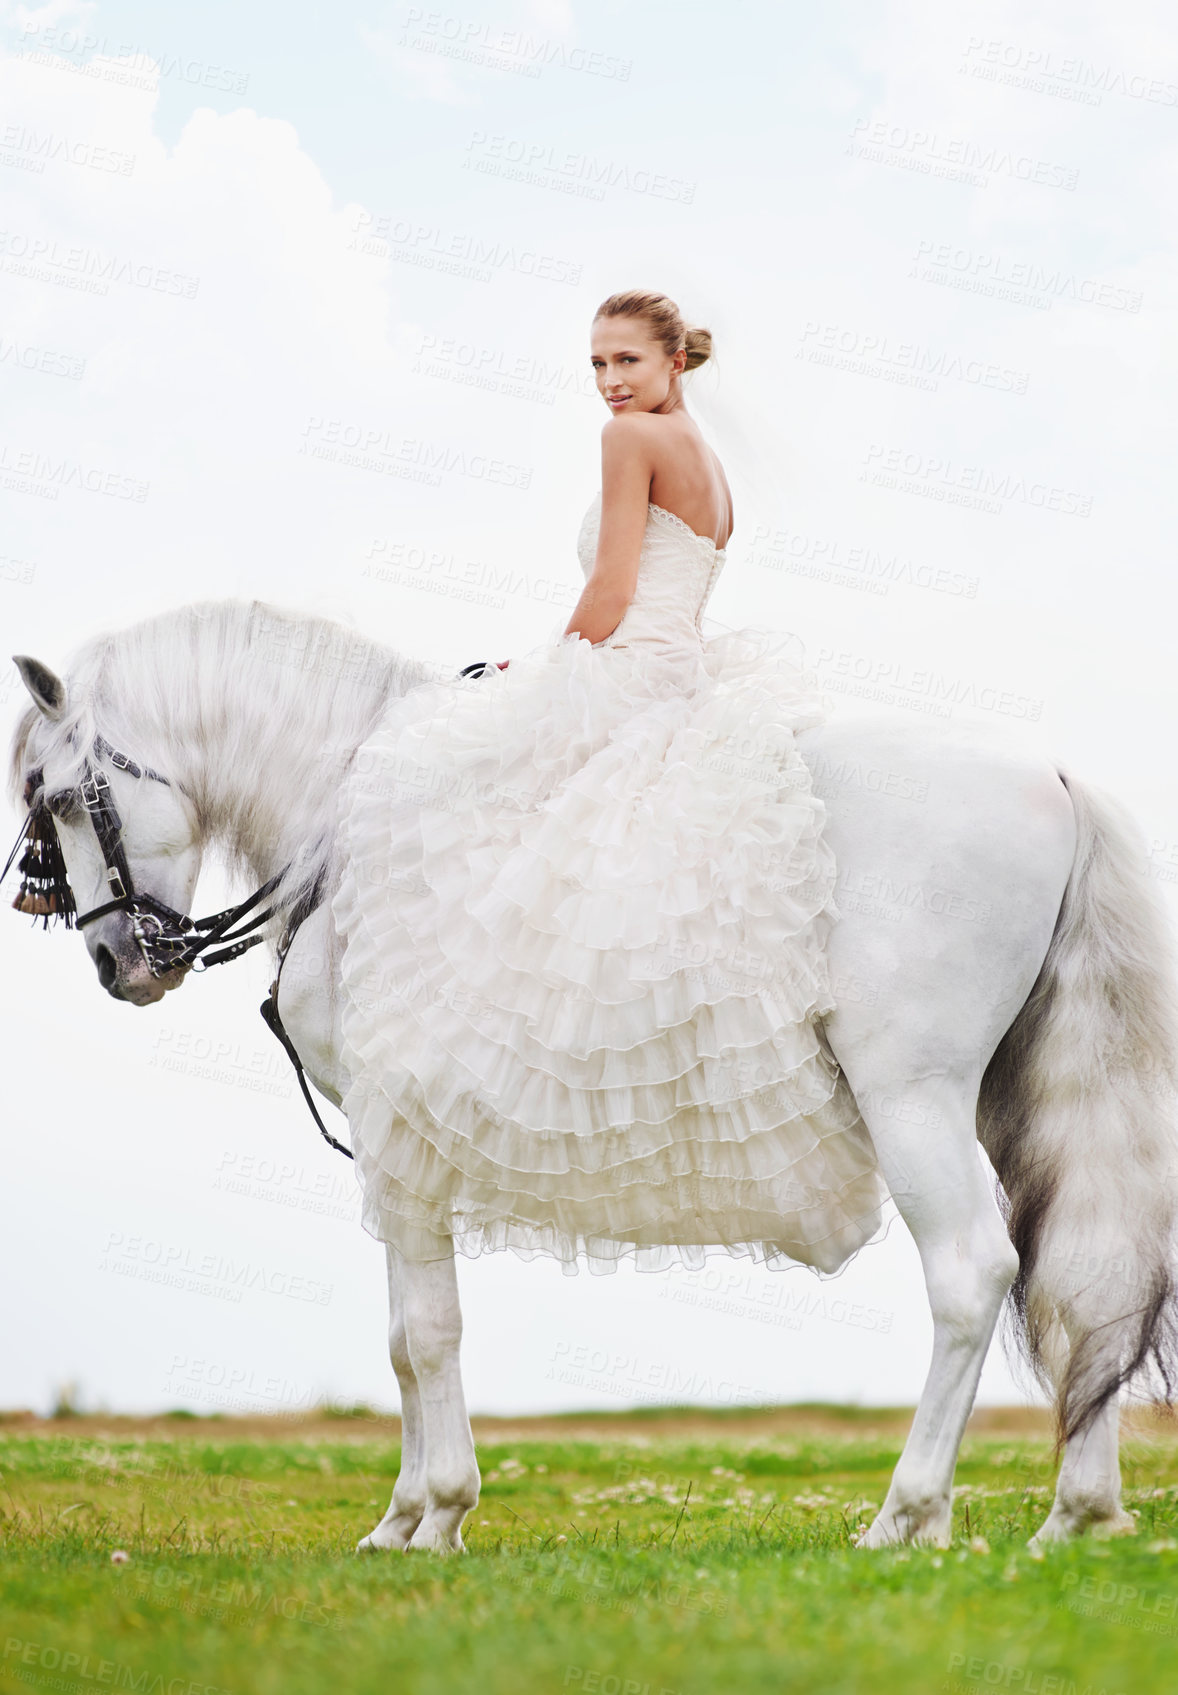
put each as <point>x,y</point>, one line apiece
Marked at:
<point>896,1528</point>
<point>1120,1524</point>
<point>1064,1525</point>
<point>386,1537</point>
<point>434,1539</point>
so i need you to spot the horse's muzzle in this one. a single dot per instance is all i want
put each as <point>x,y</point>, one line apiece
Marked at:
<point>122,969</point>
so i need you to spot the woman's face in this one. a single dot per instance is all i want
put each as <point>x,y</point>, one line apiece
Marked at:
<point>633,373</point>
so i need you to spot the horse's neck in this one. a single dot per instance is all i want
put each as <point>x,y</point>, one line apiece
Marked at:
<point>268,733</point>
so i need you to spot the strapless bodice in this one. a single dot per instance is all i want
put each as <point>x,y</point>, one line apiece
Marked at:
<point>677,571</point>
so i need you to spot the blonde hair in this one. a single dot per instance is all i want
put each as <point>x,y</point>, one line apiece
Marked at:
<point>664,319</point>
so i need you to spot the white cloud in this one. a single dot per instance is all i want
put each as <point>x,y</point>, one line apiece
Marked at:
<point>243,307</point>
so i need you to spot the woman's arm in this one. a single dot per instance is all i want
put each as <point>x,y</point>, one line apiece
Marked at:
<point>627,468</point>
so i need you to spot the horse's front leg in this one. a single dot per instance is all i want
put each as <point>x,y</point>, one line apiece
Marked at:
<point>433,1331</point>
<point>407,1507</point>
<point>438,1483</point>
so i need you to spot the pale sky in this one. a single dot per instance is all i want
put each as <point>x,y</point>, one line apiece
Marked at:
<point>936,248</point>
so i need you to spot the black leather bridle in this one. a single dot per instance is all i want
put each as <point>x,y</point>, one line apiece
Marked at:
<point>168,940</point>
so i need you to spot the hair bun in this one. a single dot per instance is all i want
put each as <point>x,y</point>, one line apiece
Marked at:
<point>698,343</point>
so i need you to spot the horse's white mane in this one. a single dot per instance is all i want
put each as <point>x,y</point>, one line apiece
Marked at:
<point>253,710</point>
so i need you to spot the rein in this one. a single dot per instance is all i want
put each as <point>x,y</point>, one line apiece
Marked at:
<point>168,940</point>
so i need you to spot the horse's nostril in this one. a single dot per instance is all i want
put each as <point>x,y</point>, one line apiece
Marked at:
<point>108,970</point>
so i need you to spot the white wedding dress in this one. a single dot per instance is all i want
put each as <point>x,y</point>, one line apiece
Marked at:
<point>584,904</point>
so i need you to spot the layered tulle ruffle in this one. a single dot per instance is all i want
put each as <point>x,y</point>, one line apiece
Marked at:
<point>585,903</point>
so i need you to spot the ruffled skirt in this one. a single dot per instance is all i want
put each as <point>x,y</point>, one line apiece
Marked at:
<point>584,905</point>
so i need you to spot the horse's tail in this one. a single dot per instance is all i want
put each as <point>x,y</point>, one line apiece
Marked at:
<point>1077,1113</point>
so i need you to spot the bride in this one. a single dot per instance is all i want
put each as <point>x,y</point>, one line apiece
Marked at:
<point>585,899</point>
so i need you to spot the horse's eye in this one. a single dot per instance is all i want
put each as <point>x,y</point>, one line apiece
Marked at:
<point>65,804</point>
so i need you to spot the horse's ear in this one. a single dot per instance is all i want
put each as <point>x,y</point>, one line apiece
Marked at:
<point>47,689</point>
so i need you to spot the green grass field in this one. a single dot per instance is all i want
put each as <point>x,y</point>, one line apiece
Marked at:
<point>610,1555</point>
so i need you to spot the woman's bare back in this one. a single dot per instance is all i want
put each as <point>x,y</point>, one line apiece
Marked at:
<point>688,479</point>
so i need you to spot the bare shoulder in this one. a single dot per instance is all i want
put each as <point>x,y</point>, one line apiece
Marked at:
<point>630,428</point>
<point>647,435</point>
<point>629,441</point>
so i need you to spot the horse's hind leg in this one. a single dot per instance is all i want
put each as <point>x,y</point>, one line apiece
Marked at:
<point>407,1507</point>
<point>1088,1489</point>
<point>923,1130</point>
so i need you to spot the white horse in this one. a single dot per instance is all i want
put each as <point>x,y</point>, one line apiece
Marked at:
<point>1005,973</point>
